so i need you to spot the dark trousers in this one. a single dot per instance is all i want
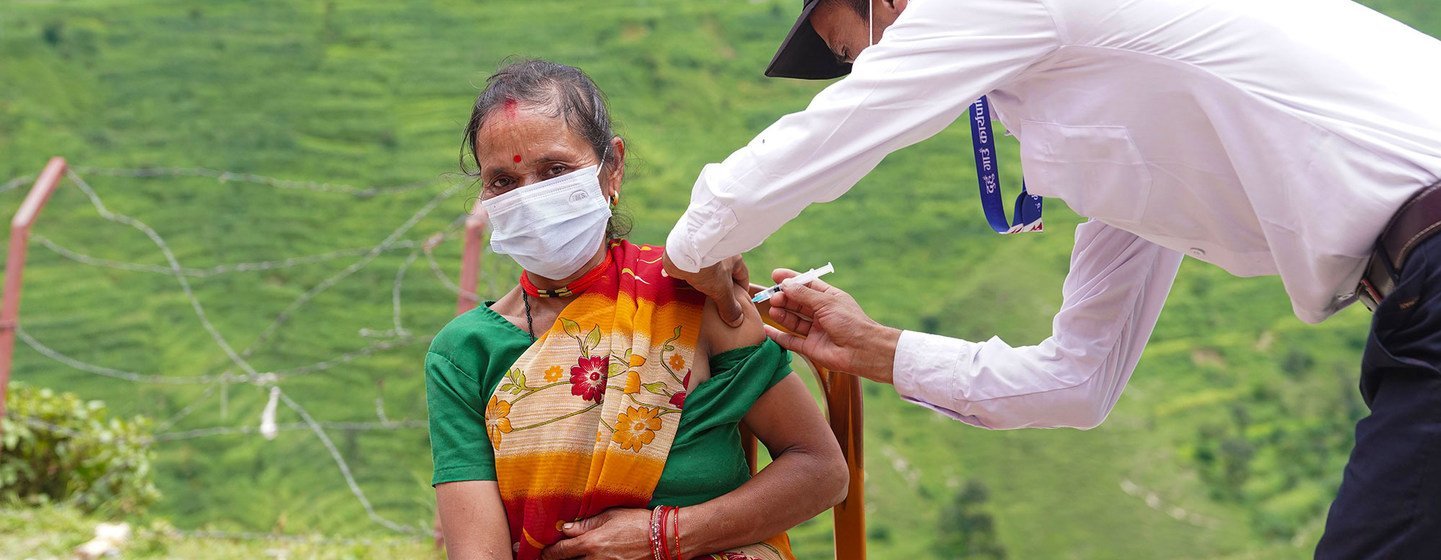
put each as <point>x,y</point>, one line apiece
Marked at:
<point>1389,505</point>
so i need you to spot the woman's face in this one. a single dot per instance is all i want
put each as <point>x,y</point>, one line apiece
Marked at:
<point>520,145</point>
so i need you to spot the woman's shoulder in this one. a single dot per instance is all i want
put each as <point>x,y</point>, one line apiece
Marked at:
<point>733,350</point>
<point>470,339</point>
<point>739,377</point>
<point>719,338</point>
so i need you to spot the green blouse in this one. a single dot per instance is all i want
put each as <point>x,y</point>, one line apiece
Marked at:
<point>469,357</point>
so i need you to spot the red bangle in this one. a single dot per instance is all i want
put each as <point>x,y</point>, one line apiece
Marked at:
<point>664,548</point>
<point>676,530</point>
<point>655,535</point>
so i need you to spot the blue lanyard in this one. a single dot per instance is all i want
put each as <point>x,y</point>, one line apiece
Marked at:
<point>1027,214</point>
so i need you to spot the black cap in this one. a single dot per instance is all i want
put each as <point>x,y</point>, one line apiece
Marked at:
<point>804,54</point>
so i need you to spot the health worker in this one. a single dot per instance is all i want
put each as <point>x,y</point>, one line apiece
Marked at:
<point>1300,138</point>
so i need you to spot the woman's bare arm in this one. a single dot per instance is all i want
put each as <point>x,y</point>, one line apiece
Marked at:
<point>473,521</point>
<point>807,476</point>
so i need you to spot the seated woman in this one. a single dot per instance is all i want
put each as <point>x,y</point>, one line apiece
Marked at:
<point>593,410</point>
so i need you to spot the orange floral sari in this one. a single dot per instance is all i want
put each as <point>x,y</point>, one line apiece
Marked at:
<point>584,420</point>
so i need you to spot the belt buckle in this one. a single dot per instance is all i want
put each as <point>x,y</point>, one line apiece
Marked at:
<point>1368,295</point>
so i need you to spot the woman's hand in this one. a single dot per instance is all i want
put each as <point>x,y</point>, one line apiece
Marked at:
<point>617,534</point>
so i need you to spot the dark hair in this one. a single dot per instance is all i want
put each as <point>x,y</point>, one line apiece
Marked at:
<point>568,92</point>
<point>860,7</point>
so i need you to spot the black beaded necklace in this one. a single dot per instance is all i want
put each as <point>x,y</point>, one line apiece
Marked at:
<point>529,324</point>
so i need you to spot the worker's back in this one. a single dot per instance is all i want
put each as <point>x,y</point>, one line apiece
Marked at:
<point>1265,136</point>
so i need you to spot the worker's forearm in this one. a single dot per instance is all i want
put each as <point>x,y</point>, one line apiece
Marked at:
<point>876,359</point>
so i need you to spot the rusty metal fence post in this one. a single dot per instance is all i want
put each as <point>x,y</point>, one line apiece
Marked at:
<point>15,264</point>
<point>470,259</point>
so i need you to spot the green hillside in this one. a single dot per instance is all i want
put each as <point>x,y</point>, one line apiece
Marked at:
<point>54,532</point>
<point>1227,444</point>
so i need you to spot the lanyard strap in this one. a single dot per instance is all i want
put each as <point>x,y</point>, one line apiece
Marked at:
<point>1027,213</point>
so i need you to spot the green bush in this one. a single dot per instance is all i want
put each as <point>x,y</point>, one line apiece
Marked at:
<point>967,529</point>
<point>59,448</point>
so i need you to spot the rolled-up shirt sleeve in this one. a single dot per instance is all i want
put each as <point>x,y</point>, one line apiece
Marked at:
<point>932,63</point>
<point>1112,297</point>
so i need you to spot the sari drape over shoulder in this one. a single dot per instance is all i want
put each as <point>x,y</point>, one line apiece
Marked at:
<point>584,419</point>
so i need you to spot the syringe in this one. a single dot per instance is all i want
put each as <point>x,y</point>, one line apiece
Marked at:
<point>801,278</point>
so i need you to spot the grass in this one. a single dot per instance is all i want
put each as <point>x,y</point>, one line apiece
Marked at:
<point>375,92</point>
<point>52,532</point>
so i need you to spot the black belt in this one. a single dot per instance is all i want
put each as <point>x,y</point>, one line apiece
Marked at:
<point>1418,220</point>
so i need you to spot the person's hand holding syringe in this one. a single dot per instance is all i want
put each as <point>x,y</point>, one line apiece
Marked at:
<point>802,278</point>
<point>827,326</point>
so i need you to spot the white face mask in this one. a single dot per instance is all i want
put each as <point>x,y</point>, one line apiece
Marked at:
<point>554,227</point>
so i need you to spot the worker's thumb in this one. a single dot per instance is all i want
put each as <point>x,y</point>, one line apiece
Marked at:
<point>786,340</point>
<point>741,275</point>
<point>729,303</point>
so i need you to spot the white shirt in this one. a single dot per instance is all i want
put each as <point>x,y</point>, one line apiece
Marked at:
<point>1263,136</point>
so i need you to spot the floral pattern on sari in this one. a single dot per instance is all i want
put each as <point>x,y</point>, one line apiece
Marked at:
<point>572,446</point>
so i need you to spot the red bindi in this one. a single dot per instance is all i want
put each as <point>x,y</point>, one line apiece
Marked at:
<point>517,158</point>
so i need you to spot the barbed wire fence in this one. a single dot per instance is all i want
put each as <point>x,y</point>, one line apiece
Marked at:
<point>401,239</point>
<point>240,370</point>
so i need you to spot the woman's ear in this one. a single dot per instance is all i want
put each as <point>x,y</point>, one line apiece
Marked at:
<point>615,168</point>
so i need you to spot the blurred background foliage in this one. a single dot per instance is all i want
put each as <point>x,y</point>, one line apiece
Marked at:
<point>59,448</point>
